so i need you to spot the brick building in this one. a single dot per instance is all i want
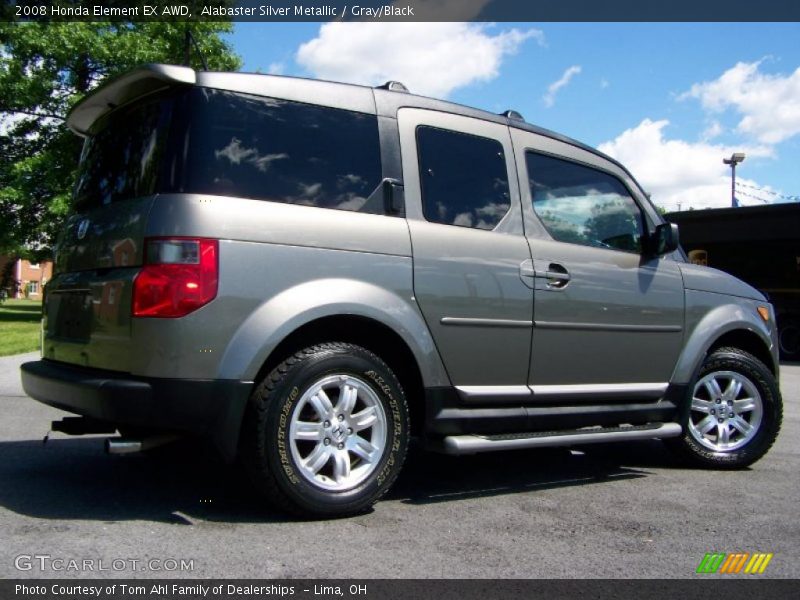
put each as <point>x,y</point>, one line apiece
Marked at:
<point>27,278</point>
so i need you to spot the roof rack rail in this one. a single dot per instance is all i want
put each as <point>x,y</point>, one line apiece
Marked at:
<point>393,86</point>
<point>512,114</point>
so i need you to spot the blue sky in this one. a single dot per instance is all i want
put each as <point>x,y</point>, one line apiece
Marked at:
<point>669,100</point>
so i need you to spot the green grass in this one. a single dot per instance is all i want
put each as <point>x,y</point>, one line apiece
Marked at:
<point>19,326</point>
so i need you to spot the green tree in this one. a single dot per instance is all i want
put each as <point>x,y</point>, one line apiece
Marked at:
<point>45,68</point>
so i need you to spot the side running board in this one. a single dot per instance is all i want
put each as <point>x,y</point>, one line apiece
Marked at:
<point>471,444</point>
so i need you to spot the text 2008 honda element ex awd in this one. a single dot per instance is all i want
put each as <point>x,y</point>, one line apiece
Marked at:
<point>308,273</point>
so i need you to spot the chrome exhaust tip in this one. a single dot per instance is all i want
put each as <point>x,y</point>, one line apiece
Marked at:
<point>123,446</point>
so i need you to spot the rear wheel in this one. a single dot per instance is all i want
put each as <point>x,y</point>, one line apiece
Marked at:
<point>326,431</point>
<point>733,413</point>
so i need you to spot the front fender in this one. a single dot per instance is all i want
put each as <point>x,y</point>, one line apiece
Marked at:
<point>709,316</point>
<point>294,307</point>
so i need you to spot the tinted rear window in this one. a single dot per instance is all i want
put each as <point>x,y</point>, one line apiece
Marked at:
<point>123,157</point>
<point>282,151</point>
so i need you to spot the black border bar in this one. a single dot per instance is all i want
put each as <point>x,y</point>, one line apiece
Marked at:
<point>403,10</point>
<point>699,587</point>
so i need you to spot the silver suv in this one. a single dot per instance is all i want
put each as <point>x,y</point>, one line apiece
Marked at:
<point>308,273</point>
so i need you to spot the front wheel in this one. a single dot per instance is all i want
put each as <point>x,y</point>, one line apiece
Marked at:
<point>789,340</point>
<point>733,413</point>
<point>326,432</point>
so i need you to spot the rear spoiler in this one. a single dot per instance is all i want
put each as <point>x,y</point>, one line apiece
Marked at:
<point>123,89</point>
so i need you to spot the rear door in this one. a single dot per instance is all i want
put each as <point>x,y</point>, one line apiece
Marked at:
<point>464,214</point>
<point>87,312</point>
<point>608,317</point>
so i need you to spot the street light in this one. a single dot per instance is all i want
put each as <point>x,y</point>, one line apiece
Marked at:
<point>734,160</point>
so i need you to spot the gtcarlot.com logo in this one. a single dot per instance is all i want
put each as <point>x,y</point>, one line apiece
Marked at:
<point>46,562</point>
<point>736,562</point>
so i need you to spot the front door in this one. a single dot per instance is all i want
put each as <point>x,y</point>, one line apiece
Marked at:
<point>608,316</point>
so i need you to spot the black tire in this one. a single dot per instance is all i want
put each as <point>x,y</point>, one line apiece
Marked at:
<point>789,339</point>
<point>275,463</point>
<point>751,446</point>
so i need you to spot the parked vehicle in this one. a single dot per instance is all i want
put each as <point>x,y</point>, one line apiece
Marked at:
<point>758,244</point>
<point>308,273</point>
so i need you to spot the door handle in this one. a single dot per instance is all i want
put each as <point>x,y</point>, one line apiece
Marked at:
<point>556,275</point>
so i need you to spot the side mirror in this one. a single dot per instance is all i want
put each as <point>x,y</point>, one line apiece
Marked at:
<point>665,239</point>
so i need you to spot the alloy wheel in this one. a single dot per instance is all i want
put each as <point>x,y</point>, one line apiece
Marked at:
<point>338,432</point>
<point>726,411</point>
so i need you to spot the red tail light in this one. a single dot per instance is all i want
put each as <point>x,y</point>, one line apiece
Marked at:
<point>179,276</point>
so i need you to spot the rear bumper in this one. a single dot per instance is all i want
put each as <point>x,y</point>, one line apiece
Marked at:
<point>212,408</point>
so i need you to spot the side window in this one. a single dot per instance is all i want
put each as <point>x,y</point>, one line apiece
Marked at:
<point>581,205</point>
<point>283,151</point>
<point>463,178</point>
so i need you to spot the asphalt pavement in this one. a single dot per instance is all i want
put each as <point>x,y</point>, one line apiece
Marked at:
<point>609,511</point>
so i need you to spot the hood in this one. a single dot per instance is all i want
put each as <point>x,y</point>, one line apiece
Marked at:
<point>708,279</point>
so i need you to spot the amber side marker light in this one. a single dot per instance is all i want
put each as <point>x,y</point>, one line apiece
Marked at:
<point>764,312</point>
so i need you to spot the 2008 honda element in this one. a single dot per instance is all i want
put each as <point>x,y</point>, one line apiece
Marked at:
<point>308,273</point>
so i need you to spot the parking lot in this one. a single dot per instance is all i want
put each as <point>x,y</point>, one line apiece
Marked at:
<point>622,510</point>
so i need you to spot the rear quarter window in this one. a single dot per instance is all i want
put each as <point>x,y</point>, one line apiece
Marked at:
<point>282,151</point>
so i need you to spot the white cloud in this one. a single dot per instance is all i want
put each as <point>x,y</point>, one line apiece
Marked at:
<point>276,68</point>
<point>604,83</point>
<point>713,130</point>
<point>429,58</point>
<point>550,97</point>
<point>768,104</point>
<point>679,173</point>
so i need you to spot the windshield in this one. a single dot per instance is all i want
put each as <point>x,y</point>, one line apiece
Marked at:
<point>123,156</point>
